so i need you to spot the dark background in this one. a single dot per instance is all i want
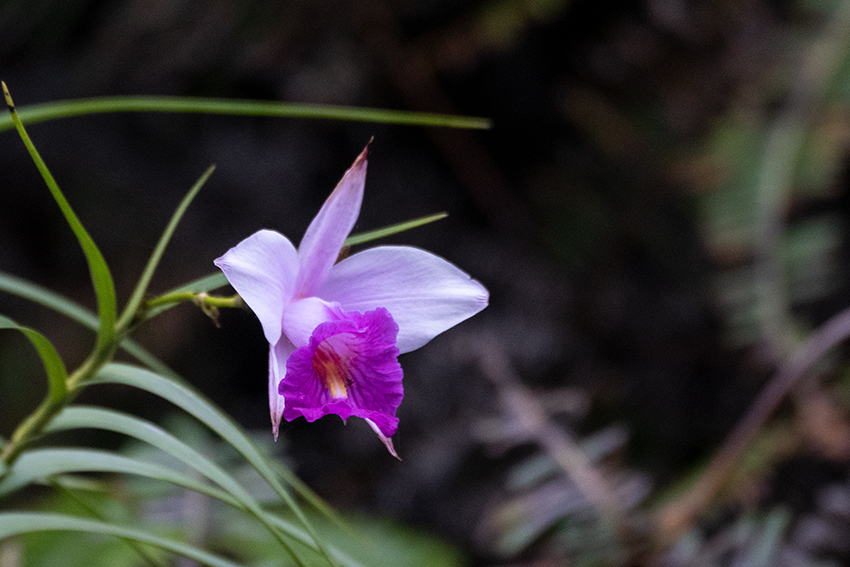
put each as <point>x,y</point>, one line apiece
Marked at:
<point>610,211</point>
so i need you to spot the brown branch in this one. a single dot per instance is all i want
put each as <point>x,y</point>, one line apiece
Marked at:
<point>677,516</point>
<point>532,418</point>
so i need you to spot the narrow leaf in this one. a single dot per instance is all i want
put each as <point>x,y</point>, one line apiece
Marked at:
<point>53,364</point>
<point>67,489</point>
<point>89,417</point>
<point>78,417</point>
<point>64,109</point>
<point>139,292</point>
<point>392,229</point>
<point>52,300</point>
<point>101,278</point>
<point>39,464</point>
<point>17,523</point>
<point>197,405</point>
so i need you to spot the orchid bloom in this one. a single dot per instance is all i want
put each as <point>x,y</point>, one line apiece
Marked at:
<point>335,330</point>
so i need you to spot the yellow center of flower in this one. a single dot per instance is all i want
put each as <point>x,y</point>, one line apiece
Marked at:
<point>332,361</point>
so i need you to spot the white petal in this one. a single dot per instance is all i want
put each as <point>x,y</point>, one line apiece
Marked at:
<point>262,269</point>
<point>424,293</point>
<point>300,319</point>
<point>278,355</point>
<point>323,240</point>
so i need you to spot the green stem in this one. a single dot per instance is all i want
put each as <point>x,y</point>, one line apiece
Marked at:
<point>196,298</point>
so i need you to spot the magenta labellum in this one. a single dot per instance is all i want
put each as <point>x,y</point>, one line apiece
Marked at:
<point>349,367</point>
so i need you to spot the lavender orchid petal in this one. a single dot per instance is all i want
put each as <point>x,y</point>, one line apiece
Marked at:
<point>335,330</point>
<point>262,269</point>
<point>301,317</point>
<point>425,294</point>
<point>320,247</point>
<point>278,355</point>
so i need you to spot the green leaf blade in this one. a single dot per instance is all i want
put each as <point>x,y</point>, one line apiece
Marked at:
<point>39,464</point>
<point>64,109</point>
<point>18,523</point>
<point>53,364</point>
<point>101,277</point>
<point>76,312</point>
<point>91,417</point>
<point>198,406</point>
<point>138,293</point>
<point>109,420</point>
<point>392,229</point>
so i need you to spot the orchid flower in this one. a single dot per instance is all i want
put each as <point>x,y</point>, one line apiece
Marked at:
<point>335,329</point>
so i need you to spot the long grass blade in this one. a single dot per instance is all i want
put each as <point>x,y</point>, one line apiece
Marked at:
<point>101,277</point>
<point>66,488</point>
<point>138,293</point>
<point>392,229</point>
<point>109,420</point>
<point>65,109</point>
<point>76,312</point>
<point>197,405</point>
<point>39,464</point>
<point>17,523</point>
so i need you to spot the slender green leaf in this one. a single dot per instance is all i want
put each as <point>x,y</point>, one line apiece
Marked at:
<point>39,464</point>
<point>53,364</point>
<point>89,417</point>
<point>77,417</point>
<point>101,278</point>
<point>64,109</point>
<point>138,293</point>
<point>68,490</point>
<point>392,229</point>
<point>52,300</point>
<point>206,283</point>
<point>197,405</point>
<point>17,523</point>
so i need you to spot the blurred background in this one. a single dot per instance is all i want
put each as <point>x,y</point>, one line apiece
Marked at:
<point>660,212</point>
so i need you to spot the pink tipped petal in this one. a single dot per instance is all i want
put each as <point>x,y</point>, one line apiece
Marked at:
<point>301,317</point>
<point>425,294</point>
<point>323,240</point>
<point>388,442</point>
<point>262,269</point>
<point>350,367</point>
<point>278,355</point>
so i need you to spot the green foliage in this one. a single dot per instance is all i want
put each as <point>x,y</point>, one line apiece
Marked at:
<point>16,523</point>
<point>53,364</point>
<point>92,485</point>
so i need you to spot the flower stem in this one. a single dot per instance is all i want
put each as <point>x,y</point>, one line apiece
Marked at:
<point>198,299</point>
